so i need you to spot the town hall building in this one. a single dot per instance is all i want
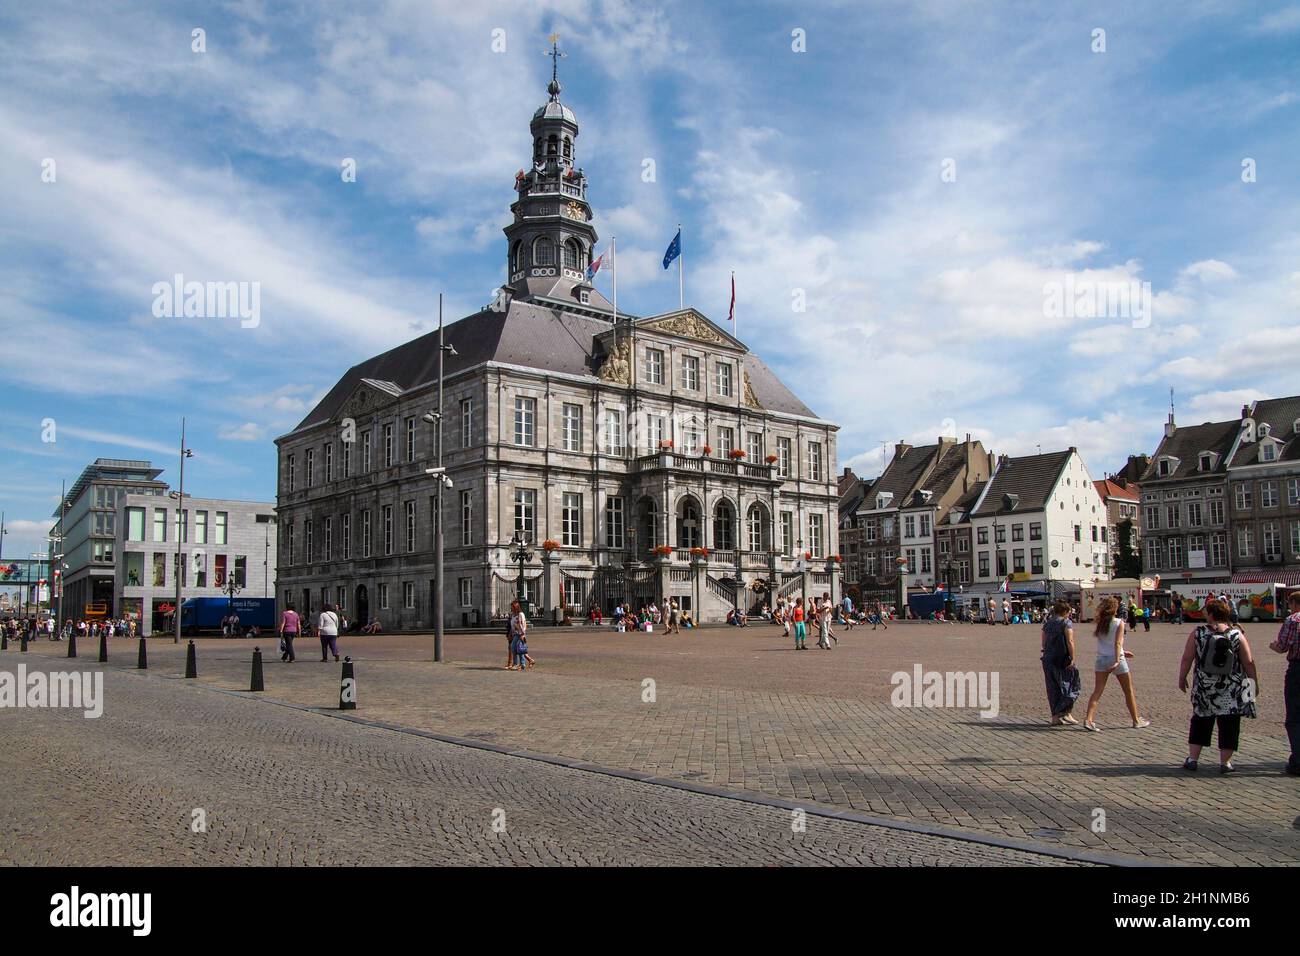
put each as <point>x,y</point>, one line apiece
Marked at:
<point>634,458</point>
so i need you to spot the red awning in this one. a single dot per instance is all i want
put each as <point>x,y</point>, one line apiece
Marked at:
<point>1288,576</point>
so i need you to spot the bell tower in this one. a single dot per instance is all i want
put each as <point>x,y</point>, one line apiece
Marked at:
<point>550,241</point>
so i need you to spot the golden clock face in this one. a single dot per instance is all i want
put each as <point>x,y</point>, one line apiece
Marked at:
<point>575,211</point>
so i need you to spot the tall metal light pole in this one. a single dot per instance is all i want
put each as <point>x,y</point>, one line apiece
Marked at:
<point>521,553</point>
<point>435,418</point>
<point>179,526</point>
<point>57,573</point>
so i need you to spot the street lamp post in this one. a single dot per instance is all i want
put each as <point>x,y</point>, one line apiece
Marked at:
<point>232,588</point>
<point>435,418</point>
<point>179,526</point>
<point>948,600</point>
<point>521,553</point>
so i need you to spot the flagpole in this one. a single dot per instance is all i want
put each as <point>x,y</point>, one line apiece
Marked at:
<point>734,321</point>
<point>681,280</point>
<point>613,270</point>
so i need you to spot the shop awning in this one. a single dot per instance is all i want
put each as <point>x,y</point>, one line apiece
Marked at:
<point>1288,576</point>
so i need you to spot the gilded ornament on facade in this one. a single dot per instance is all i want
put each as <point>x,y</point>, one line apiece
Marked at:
<point>691,326</point>
<point>750,398</point>
<point>617,367</point>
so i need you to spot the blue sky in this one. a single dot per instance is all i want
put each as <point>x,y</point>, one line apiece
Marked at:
<point>815,173</point>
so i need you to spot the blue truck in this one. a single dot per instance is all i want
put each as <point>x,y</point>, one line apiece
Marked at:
<point>206,614</point>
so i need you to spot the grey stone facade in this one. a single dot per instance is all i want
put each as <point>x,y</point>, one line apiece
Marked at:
<point>582,428</point>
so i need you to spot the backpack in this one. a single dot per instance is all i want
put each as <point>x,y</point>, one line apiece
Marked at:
<point>1219,654</point>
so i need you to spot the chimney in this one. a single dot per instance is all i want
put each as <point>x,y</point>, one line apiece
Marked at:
<point>1245,411</point>
<point>901,449</point>
<point>1170,427</point>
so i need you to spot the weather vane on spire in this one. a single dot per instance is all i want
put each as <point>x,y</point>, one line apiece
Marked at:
<point>555,54</point>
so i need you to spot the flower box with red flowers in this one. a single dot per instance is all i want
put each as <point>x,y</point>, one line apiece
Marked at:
<point>700,552</point>
<point>666,443</point>
<point>550,544</point>
<point>770,459</point>
<point>736,454</point>
<point>708,449</point>
<point>663,550</point>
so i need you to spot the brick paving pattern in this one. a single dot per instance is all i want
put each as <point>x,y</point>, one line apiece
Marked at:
<point>285,787</point>
<point>739,710</point>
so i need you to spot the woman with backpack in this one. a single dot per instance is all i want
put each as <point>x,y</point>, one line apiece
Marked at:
<point>1063,682</point>
<point>1112,659</point>
<point>1224,684</point>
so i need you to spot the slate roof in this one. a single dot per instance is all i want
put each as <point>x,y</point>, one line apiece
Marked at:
<point>1031,478</point>
<point>526,334</point>
<point>1280,414</point>
<point>902,473</point>
<point>948,469</point>
<point>1187,443</point>
<point>852,491</point>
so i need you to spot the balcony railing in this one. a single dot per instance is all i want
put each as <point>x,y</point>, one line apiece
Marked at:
<point>704,465</point>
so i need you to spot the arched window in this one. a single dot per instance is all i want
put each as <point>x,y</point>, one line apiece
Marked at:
<point>758,534</point>
<point>568,148</point>
<point>514,256</point>
<point>724,538</point>
<point>543,251</point>
<point>688,525</point>
<point>551,146</point>
<point>572,254</point>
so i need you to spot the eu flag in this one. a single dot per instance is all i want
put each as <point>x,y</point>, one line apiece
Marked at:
<point>674,249</point>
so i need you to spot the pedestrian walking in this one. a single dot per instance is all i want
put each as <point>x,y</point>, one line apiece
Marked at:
<point>1063,681</point>
<point>800,628</point>
<point>824,632</point>
<point>518,638</point>
<point>1146,618</point>
<point>673,625</point>
<point>1224,685</point>
<point>1288,643</point>
<point>327,628</point>
<point>290,625</point>
<point>1111,659</point>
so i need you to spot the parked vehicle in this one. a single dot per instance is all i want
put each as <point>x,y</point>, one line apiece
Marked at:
<point>199,615</point>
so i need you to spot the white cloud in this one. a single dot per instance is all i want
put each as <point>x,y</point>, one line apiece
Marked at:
<point>245,432</point>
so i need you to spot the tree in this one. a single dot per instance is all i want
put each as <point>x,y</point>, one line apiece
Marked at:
<point>1128,559</point>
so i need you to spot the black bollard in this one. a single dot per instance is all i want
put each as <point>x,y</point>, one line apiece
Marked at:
<point>72,644</point>
<point>103,647</point>
<point>24,642</point>
<point>143,663</point>
<point>348,687</point>
<point>256,682</point>
<point>191,661</point>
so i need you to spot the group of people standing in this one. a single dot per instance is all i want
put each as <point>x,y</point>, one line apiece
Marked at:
<point>796,618</point>
<point>34,628</point>
<point>1217,666</point>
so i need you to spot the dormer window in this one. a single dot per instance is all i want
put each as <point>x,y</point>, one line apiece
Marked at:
<point>1208,461</point>
<point>1166,467</point>
<point>1268,451</point>
<point>926,495</point>
<point>584,297</point>
<point>1010,501</point>
<point>1264,430</point>
<point>884,500</point>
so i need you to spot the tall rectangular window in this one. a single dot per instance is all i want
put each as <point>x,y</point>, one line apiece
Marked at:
<point>408,595</point>
<point>726,439</point>
<point>220,537</point>
<point>466,519</point>
<point>525,421</point>
<point>787,532</point>
<point>815,461</point>
<point>754,447</point>
<point>783,458</point>
<point>329,462</point>
<point>389,450</point>
<point>614,529</point>
<point>410,526</point>
<point>654,366</point>
<point>307,542</point>
<point>657,432</point>
<point>816,534</point>
<point>347,459</point>
<point>571,515</point>
<point>365,533</point>
<point>723,379</point>
<point>387,513</point>
<point>289,472</point>
<point>1268,494</point>
<point>690,373</point>
<point>1271,533</point>
<point>466,422</point>
<point>200,527</point>
<point>1244,496</point>
<point>572,427</point>
<point>365,451</point>
<point>181,524</point>
<point>1219,549</point>
<point>134,524</point>
<point>1175,546</point>
<point>410,438</point>
<point>526,512</point>
<point>346,531</point>
<point>329,538</point>
<point>311,466</point>
<point>614,432</point>
<point>160,524</point>
<point>466,592</point>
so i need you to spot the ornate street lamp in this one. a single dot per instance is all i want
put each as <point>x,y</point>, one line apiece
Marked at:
<point>180,527</point>
<point>521,553</point>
